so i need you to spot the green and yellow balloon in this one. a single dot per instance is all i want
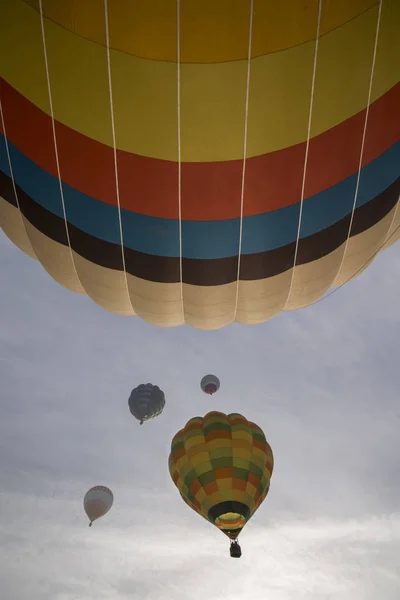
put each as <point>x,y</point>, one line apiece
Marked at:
<point>222,466</point>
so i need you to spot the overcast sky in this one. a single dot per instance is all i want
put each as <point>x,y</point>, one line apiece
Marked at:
<point>323,383</point>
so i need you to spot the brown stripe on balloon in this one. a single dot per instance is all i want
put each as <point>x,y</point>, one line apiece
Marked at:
<point>216,271</point>
<point>7,189</point>
<point>366,216</point>
<point>44,221</point>
<point>313,247</point>
<point>206,272</point>
<point>323,242</point>
<point>161,269</point>
<point>326,241</point>
<point>98,251</point>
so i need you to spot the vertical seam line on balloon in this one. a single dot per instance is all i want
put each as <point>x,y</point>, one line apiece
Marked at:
<point>12,176</point>
<point>55,140</point>
<point>244,155</point>
<point>231,450</point>
<point>364,135</point>
<point>388,235</point>
<point>115,148</point>
<point>178,77</point>
<point>251,450</point>
<point>303,184</point>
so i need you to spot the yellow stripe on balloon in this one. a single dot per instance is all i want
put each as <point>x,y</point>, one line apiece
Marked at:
<point>213,96</point>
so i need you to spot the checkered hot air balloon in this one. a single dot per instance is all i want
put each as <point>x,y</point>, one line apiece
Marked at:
<point>222,466</point>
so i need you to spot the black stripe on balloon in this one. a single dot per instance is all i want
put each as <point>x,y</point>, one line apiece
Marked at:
<point>202,272</point>
<point>313,247</point>
<point>7,189</point>
<point>229,506</point>
<point>43,220</point>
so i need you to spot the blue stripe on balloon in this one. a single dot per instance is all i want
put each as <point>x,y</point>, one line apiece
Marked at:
<point>202,239</point>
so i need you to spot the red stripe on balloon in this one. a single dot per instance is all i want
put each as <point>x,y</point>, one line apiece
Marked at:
<point>210,191</point>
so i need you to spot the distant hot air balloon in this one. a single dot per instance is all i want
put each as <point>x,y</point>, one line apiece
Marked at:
<point>210,384</point>
<point>222,465</point>
<point>97,502</point>
<point>146,402</point>
<point>260,173</point>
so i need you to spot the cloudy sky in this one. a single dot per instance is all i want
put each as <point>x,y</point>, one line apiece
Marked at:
<point>323,383</point>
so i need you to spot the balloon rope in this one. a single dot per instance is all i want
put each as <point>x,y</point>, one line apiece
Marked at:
<point>360,269</point>
<point>363,137</point>
<point>307,149</point>
<point>55,144</point>
<point>114,147</point>
<point>246,121</point>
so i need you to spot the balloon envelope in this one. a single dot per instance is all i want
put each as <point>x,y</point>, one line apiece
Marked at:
<point>97,502</point>
<point>146,402</point>
<point>222,465</point>
<point>232,188</point>
<point>210,384</point>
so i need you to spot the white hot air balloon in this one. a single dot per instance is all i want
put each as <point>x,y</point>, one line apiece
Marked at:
<point>97,502</point>
<point>210,384</point>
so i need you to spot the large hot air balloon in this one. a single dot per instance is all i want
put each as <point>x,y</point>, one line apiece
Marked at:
<point>222,465</point>
<point>218,164</point>
<point>210,384</point>
<point>97,502</point>
<point>146,402</point>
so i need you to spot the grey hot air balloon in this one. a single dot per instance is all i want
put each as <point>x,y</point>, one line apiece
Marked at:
<point>210,384</point>
<point>146,402</point>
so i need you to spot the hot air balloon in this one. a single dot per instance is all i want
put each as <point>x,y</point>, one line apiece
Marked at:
<point>222,465</point>
<point>258,166</point>
<point>146,402</point>
<point>210,384</point>
<point>97,502</point>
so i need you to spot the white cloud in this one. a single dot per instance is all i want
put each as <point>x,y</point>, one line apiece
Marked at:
<point>159,554</point>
